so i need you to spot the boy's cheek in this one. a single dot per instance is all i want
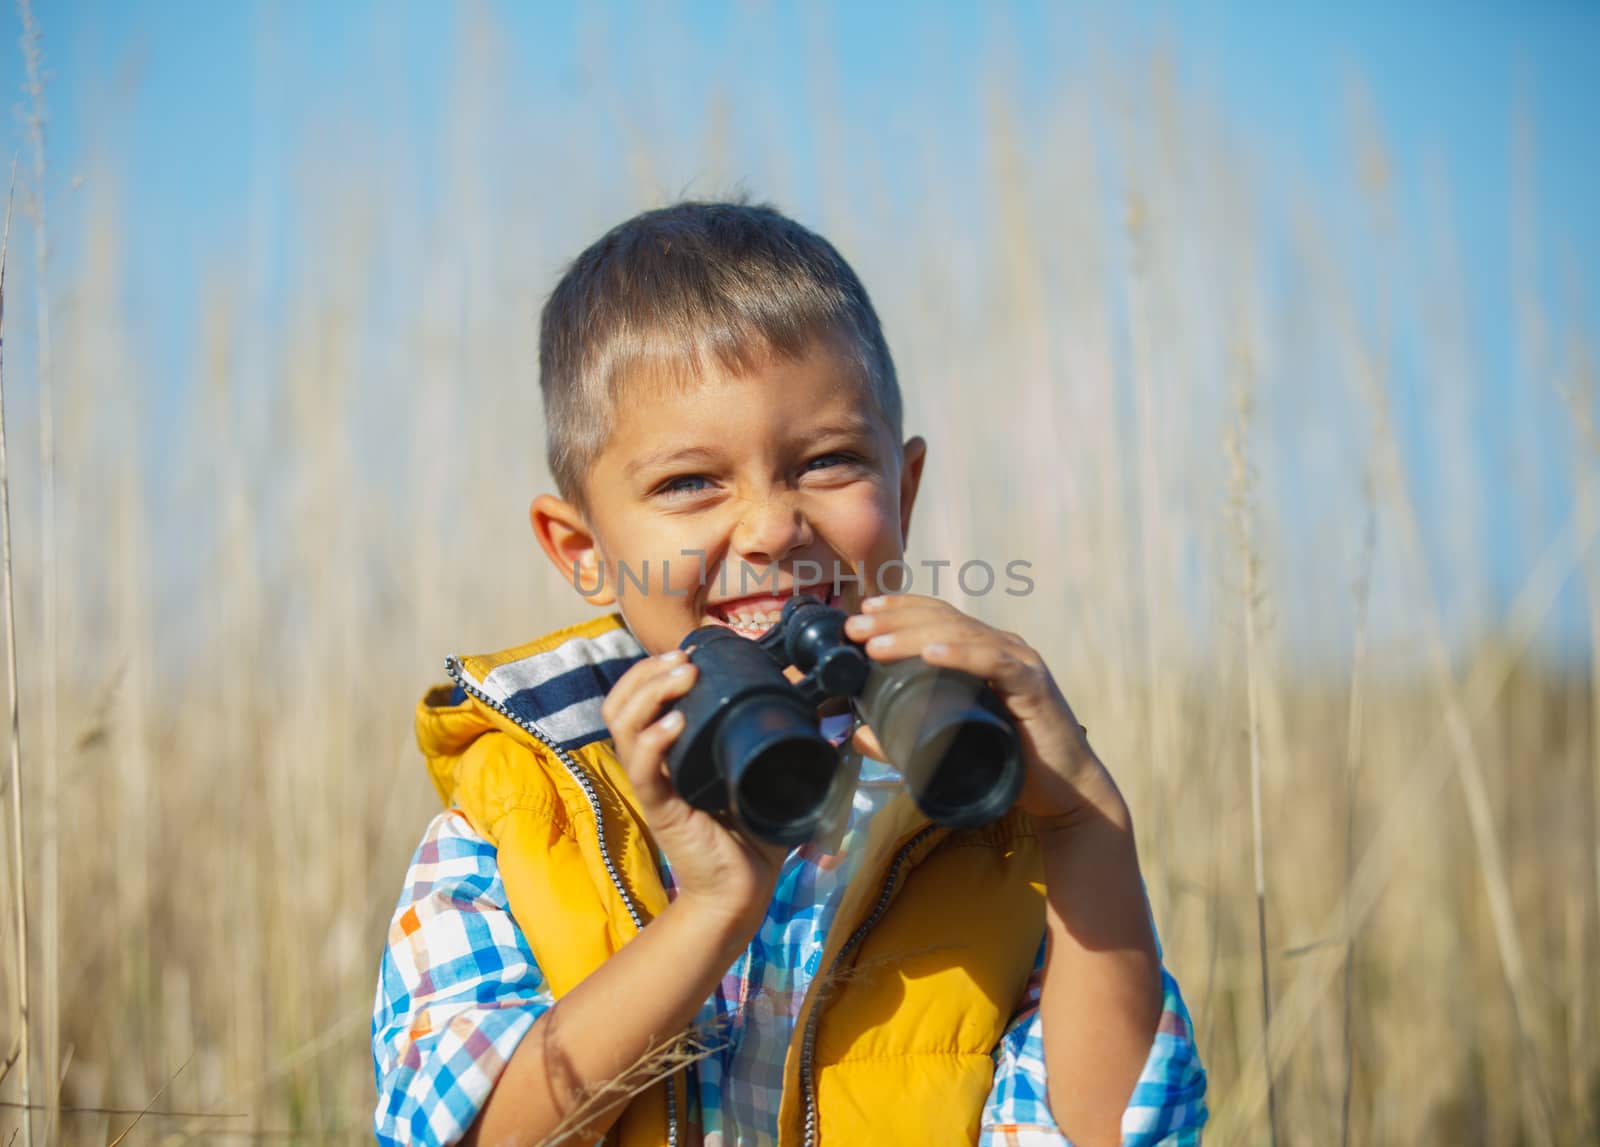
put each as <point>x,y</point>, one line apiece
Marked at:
<point>675,563</point>
<point>867,535</point>
<point>677,569</point>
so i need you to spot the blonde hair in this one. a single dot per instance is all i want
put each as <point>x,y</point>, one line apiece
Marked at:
<point>677,289</point>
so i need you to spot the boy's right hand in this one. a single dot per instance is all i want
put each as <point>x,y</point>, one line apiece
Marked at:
<point>718,869</point>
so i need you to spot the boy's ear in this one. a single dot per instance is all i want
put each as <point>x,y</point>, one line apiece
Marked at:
<point>568,542</point>
<point>913,455</point>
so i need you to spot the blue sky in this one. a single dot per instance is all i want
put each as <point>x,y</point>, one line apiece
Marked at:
<point>202,101</point>
<point>204,111</point>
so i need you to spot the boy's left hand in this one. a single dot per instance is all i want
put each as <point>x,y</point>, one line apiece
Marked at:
<point>1063,777</point>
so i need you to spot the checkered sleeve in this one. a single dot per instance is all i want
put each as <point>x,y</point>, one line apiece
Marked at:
<point>1168,1103</point>
<point>457,990</point>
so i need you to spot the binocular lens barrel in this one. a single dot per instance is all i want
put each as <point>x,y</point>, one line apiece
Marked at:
<point>778,767</point>
<point>750,742</point>
<point>959,758</point>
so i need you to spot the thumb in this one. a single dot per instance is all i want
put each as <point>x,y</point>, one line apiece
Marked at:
<point>865,742</point>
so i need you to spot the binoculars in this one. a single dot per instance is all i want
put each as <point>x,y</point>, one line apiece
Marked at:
<point>750,741</point>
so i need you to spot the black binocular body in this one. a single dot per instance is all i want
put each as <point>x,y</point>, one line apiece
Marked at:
<point>750,741</point>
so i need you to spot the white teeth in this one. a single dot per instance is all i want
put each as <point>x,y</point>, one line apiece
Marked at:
<point>753,622</point>
<point>750,619</point>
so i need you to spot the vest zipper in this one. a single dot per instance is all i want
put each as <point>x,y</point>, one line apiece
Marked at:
<point>452,666</point>
<point>808,1086</point>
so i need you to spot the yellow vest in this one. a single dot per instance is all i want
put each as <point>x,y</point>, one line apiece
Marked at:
<point>922,968</point>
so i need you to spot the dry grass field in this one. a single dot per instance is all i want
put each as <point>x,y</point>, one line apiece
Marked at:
<point>1183,401</point>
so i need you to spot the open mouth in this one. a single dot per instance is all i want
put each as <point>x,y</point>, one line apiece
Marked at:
<point>754,615</point>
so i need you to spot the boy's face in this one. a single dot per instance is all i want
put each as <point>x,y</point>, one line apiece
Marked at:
<point>740,491</point>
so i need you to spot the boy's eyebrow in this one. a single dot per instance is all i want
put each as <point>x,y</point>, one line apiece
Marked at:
<point>665,457</point>
<point>844,429</point>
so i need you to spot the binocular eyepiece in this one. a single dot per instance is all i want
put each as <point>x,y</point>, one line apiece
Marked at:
<point>750,740</point>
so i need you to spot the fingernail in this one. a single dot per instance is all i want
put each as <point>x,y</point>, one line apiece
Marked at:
<point>672,720</point>
<point>681,670</point>
<point>937,648</point>
<point>860,623</point>
<point>672,655</point>
<point>872,603</point>
<point>881,642</point>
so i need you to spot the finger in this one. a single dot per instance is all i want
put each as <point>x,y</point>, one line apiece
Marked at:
<point>903,641</point>
<point>895,602</point>
<point>992,661</point>
<point>909,627</point>
<point>646,702</point>
<point>638,675</point>
<point>645,762</point>
<point>632,709</point>
<point>893,605</point>
<point>927,611</point>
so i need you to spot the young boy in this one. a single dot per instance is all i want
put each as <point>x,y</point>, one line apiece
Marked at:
<point>580,953</point>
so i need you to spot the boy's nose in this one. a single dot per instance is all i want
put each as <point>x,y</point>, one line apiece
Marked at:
<point>770,530</point>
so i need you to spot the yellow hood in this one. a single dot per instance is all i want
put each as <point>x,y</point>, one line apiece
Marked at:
<point>546,693</point>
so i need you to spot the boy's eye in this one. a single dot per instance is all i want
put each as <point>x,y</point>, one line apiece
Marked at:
<point>824,461</point>
<point>835,466</point>
<point>684,484</point>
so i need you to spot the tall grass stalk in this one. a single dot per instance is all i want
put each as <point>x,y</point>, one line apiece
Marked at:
<point>1579,393</point>
<point>1353,734</point>
<point>49,763</point>
<point>1240,480</point>
<point>22,1052</point>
